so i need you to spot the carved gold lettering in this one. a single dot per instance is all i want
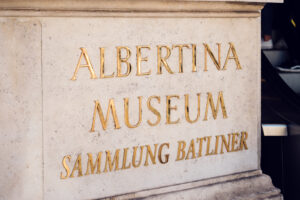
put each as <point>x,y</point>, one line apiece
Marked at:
<point>208,147</point>
<point>125,159</point>
<point>194,50</point>
<point>234,141</point>
<point>191,150</point>
<point>77,166</point>
<point>234,57</point>
<point>121,60</point>
<point>134,157</point>
<point>208,50</point>
<point>110,164</point>
<point>139,59</point>
<point>151,154</point>
<point>216,145</point>
<point>126,113</point>
<point>187,109</point>
<point>66,167</point>
<point>160,153</point>
<point>213,108</point>
<point>169,108</point>
<point>92,166</point>
<point>180,56</point>
<point>111,106</point>
<point>162,60</point>
<point>243,143</point>
<point>180,150</point>
<point>225,143</point>
<point>200,140</point>
<point>102,61</point>
<point>88,65</point>
<point>153,110</point>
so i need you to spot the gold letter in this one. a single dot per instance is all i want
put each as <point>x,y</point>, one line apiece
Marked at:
<point>235,57</point>
<point>213,109</point>
<point>77,166</point>
<point>216,145</point>
<point>88,65</point>
<point>66,167</point>
<point>187,109</point>
<point>115,161</point>
<point>243,141</point>
<point>134,155</point>
<point>224,142</point>
<point>169,108</point>
<point>194,58</point>
<point>123,60</point>
<point>152,156</point>
<point>181,147</point>
<point>102,75</point>
<point>125,159</point>
<point>126,115</point>
<point>191,150</point>
<point>111,106</point>
<point>153,110</point>
<point>200,140</point>
<point>93,166</point>
<point>139,59</point>
<point>163,61</point>
<point>208,147</point>
<point>159,154</point>
<point>180,47</point>
<point>234,141</point>
<point>207,50</point>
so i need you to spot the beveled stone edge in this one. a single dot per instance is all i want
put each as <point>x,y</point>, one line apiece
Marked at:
<point>270,192</point>
<point>13,14</point>
<point>134,5</point>
<point>38,7</point>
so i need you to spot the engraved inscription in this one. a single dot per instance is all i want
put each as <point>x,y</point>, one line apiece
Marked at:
<point>177,109</point>
<point>163,52</point>
<point>151,154</point>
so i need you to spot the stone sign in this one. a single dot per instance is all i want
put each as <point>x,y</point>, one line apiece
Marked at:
<point>111,105</point>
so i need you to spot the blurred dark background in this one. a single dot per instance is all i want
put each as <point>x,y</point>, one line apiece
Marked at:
<point>280,58</point>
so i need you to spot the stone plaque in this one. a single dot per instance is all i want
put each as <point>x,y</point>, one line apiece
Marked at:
<point>138,103</point>
<point>131,99</point>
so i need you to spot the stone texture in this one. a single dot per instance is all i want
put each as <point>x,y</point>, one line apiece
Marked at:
<point>243,186</point>
<point>116,4</point>
<point>131,8</point>
<point>45,115</point>
<point>259,187</point>
<point>69,105</point>
<point>21,109</point>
